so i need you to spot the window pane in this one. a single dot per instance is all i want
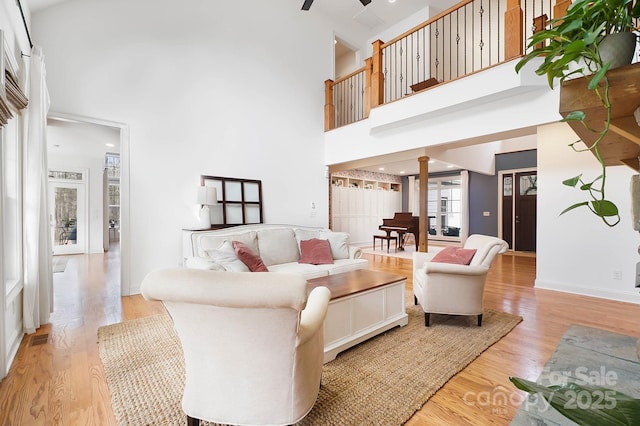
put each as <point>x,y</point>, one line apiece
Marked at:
<point>528,185</point>
<point>55,174</point>
<point>251,192</point>
<point>65,215</point>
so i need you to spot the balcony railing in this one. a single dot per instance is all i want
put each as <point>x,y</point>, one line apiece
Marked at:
<point>466,38</point>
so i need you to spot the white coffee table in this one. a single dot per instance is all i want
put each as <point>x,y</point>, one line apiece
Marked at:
<point>363,304</point>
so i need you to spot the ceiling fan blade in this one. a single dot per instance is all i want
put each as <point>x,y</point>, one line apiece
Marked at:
<point>307,4</point>
<point>365,2</point>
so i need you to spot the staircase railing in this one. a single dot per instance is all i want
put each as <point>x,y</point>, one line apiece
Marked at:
<point>466,38</point>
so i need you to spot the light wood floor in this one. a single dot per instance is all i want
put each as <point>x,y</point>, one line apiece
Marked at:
<point>62,382</point>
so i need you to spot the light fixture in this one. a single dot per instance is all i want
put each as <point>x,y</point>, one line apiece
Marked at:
<point>392,1</point>
<point>450,166</point>
<point>381,168</point>
<point>110,145</point>
<point>432,161</point>
<point>402,172</point>
<point>206,196</point>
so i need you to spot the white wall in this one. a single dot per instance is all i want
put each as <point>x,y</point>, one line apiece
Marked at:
<point>89,148</point>
<point>217,88</point>
<point>576,251</point>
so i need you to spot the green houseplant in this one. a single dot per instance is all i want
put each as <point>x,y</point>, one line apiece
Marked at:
<point>571,47</point>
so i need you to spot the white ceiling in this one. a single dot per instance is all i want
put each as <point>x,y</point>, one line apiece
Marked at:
<point>377,15</point>
<point>372,19</point>
<point>35,5</point>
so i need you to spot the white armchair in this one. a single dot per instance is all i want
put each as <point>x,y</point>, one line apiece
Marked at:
<point>253,343</point>
<point>445,288</point>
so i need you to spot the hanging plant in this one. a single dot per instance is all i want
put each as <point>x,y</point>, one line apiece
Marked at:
<point>571,47</point>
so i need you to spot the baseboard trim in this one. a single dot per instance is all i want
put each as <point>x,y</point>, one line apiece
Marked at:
<point>621,296</point>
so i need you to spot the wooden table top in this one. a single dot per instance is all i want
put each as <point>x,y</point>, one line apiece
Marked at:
<point>352,282</point>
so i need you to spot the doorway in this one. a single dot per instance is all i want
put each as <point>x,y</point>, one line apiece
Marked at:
<point>68,211</point>
<point>71,136</point>
<point>518,199</point>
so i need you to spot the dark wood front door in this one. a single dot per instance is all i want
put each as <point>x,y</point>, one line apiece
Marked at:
<point>519,197</point>
<point>525,198</point>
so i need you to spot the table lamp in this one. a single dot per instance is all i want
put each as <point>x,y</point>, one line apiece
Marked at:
<point>207,196</point>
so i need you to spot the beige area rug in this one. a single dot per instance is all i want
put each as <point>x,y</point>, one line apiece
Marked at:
<point>382,381</point>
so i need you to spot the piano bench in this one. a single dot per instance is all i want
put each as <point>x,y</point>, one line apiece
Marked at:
<point>389,238</point>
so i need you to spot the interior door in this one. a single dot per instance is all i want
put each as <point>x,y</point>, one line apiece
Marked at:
<point>68,216</point>
<point>525,199</point>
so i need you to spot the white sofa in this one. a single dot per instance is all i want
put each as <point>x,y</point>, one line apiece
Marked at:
<point>277,245</point>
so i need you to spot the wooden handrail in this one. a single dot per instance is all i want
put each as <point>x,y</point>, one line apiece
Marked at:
<point>348,76</point>
<point>427,23</point>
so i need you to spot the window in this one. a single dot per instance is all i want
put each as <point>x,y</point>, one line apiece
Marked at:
<point>446,211</point>
<point>112,166</point>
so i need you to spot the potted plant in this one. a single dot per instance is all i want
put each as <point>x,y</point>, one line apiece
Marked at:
<point>572,46</point>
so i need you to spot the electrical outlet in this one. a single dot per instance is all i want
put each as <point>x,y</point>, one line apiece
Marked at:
<point>617,275</point>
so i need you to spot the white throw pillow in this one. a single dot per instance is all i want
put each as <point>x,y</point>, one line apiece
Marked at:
<point>339,242</point>
<point>226,256</point>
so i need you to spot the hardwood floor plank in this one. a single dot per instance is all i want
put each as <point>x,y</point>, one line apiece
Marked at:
<point>62,382</point>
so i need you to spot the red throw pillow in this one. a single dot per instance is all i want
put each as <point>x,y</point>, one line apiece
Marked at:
<point>244,253</point>
<point>457,255</point>
<point>315,252</point>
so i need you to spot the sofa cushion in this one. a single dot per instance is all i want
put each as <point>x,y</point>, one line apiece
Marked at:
<point>339,241</point>
<point>225,255</point>
<point>213,241</point>
<point>307,270</point>
<point>455,255</point>
<point>344,265</point>
<point>277,246</point>
<point>244,253</point>
<point>315,251</point>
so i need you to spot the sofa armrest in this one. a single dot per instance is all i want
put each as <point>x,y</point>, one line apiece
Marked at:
<point>202,263</point>
<point>313,315</point>
<point>354,252</point>
<point>451,268</point>
<point>420,257</point>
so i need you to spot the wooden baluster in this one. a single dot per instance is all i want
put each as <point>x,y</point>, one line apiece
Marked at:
<point>368,65</point>
<point>329,107</point>
<point>513,29</point>
<point>377,76</point>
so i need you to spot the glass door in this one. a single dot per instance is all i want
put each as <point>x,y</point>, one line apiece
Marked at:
<point>68,212</point>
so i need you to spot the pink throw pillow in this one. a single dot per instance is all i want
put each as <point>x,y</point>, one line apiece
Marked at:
<point>244,253</point>
<point>315,252</point>
<point>457,255</point>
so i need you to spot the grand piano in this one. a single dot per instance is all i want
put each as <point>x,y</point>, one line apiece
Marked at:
<point>403,223</point>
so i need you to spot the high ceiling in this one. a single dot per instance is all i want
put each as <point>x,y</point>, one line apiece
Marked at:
<point>380,12</point>
<point>378,15</point>
<point>371,19</point>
